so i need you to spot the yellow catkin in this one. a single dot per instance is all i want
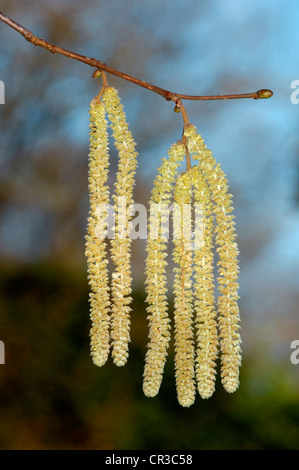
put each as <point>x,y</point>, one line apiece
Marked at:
<point>227,284</point>
<point>121,244</point>
<point>95,239</point>
<point>228,310</point>
<point>183,308</point>
<point>204,303</point>
<point>156,285</point>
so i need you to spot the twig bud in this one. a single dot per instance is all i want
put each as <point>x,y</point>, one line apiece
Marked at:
<point>264,93</point>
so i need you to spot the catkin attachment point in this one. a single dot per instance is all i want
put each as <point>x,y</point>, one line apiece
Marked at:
<point>97,74</point>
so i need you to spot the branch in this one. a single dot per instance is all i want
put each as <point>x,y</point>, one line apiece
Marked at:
<point>99,65</point>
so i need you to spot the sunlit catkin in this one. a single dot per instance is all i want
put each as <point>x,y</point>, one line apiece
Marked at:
<point>227,283</point>
<point>156,285</point>
<point>204,303</point>
<point>96,231</point>
<point>228,310</point>
<point>183,297</point>
<point>121,244</point>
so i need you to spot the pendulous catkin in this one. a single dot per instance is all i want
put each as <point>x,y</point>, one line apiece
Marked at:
<point>204,303</point>
<point>121,245</point>
<point>227,249</point>
<point>110,308</point>
<point>156,288</point>
<point>184,351</point>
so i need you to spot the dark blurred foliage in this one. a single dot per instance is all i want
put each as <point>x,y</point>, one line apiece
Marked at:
<point>51,395</point>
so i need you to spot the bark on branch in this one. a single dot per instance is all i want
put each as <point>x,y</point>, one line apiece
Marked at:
<point>99,65</point>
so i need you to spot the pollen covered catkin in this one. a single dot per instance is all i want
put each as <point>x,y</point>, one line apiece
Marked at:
<point>228,269</point>
<point>183,296</point>
<point>202,217</point>
<point>204,303</point>
<point>96,231</point>
<point>121,245</point>
<point>156,282</point>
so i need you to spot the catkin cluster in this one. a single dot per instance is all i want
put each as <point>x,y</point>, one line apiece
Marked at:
<point>203,230</point>
<point>110,305</point>
<point>202,327</point>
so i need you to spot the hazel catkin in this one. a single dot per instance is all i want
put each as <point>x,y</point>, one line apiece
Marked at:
<point>96,245</point>
<point>121,244</point>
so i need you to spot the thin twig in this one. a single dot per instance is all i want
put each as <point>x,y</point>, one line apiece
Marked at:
<point>98,64</point>
<point>179,107</point>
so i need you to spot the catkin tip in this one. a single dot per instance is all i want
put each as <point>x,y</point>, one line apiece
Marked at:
<point>186,402</point>
<point>98,360</point>
<point>231,385</point>
<point>150,391</point>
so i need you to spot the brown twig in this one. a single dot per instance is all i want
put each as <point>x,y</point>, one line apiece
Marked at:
<point>99,65</point>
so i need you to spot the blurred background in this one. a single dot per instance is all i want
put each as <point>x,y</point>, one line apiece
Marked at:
<point>51,395</point>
